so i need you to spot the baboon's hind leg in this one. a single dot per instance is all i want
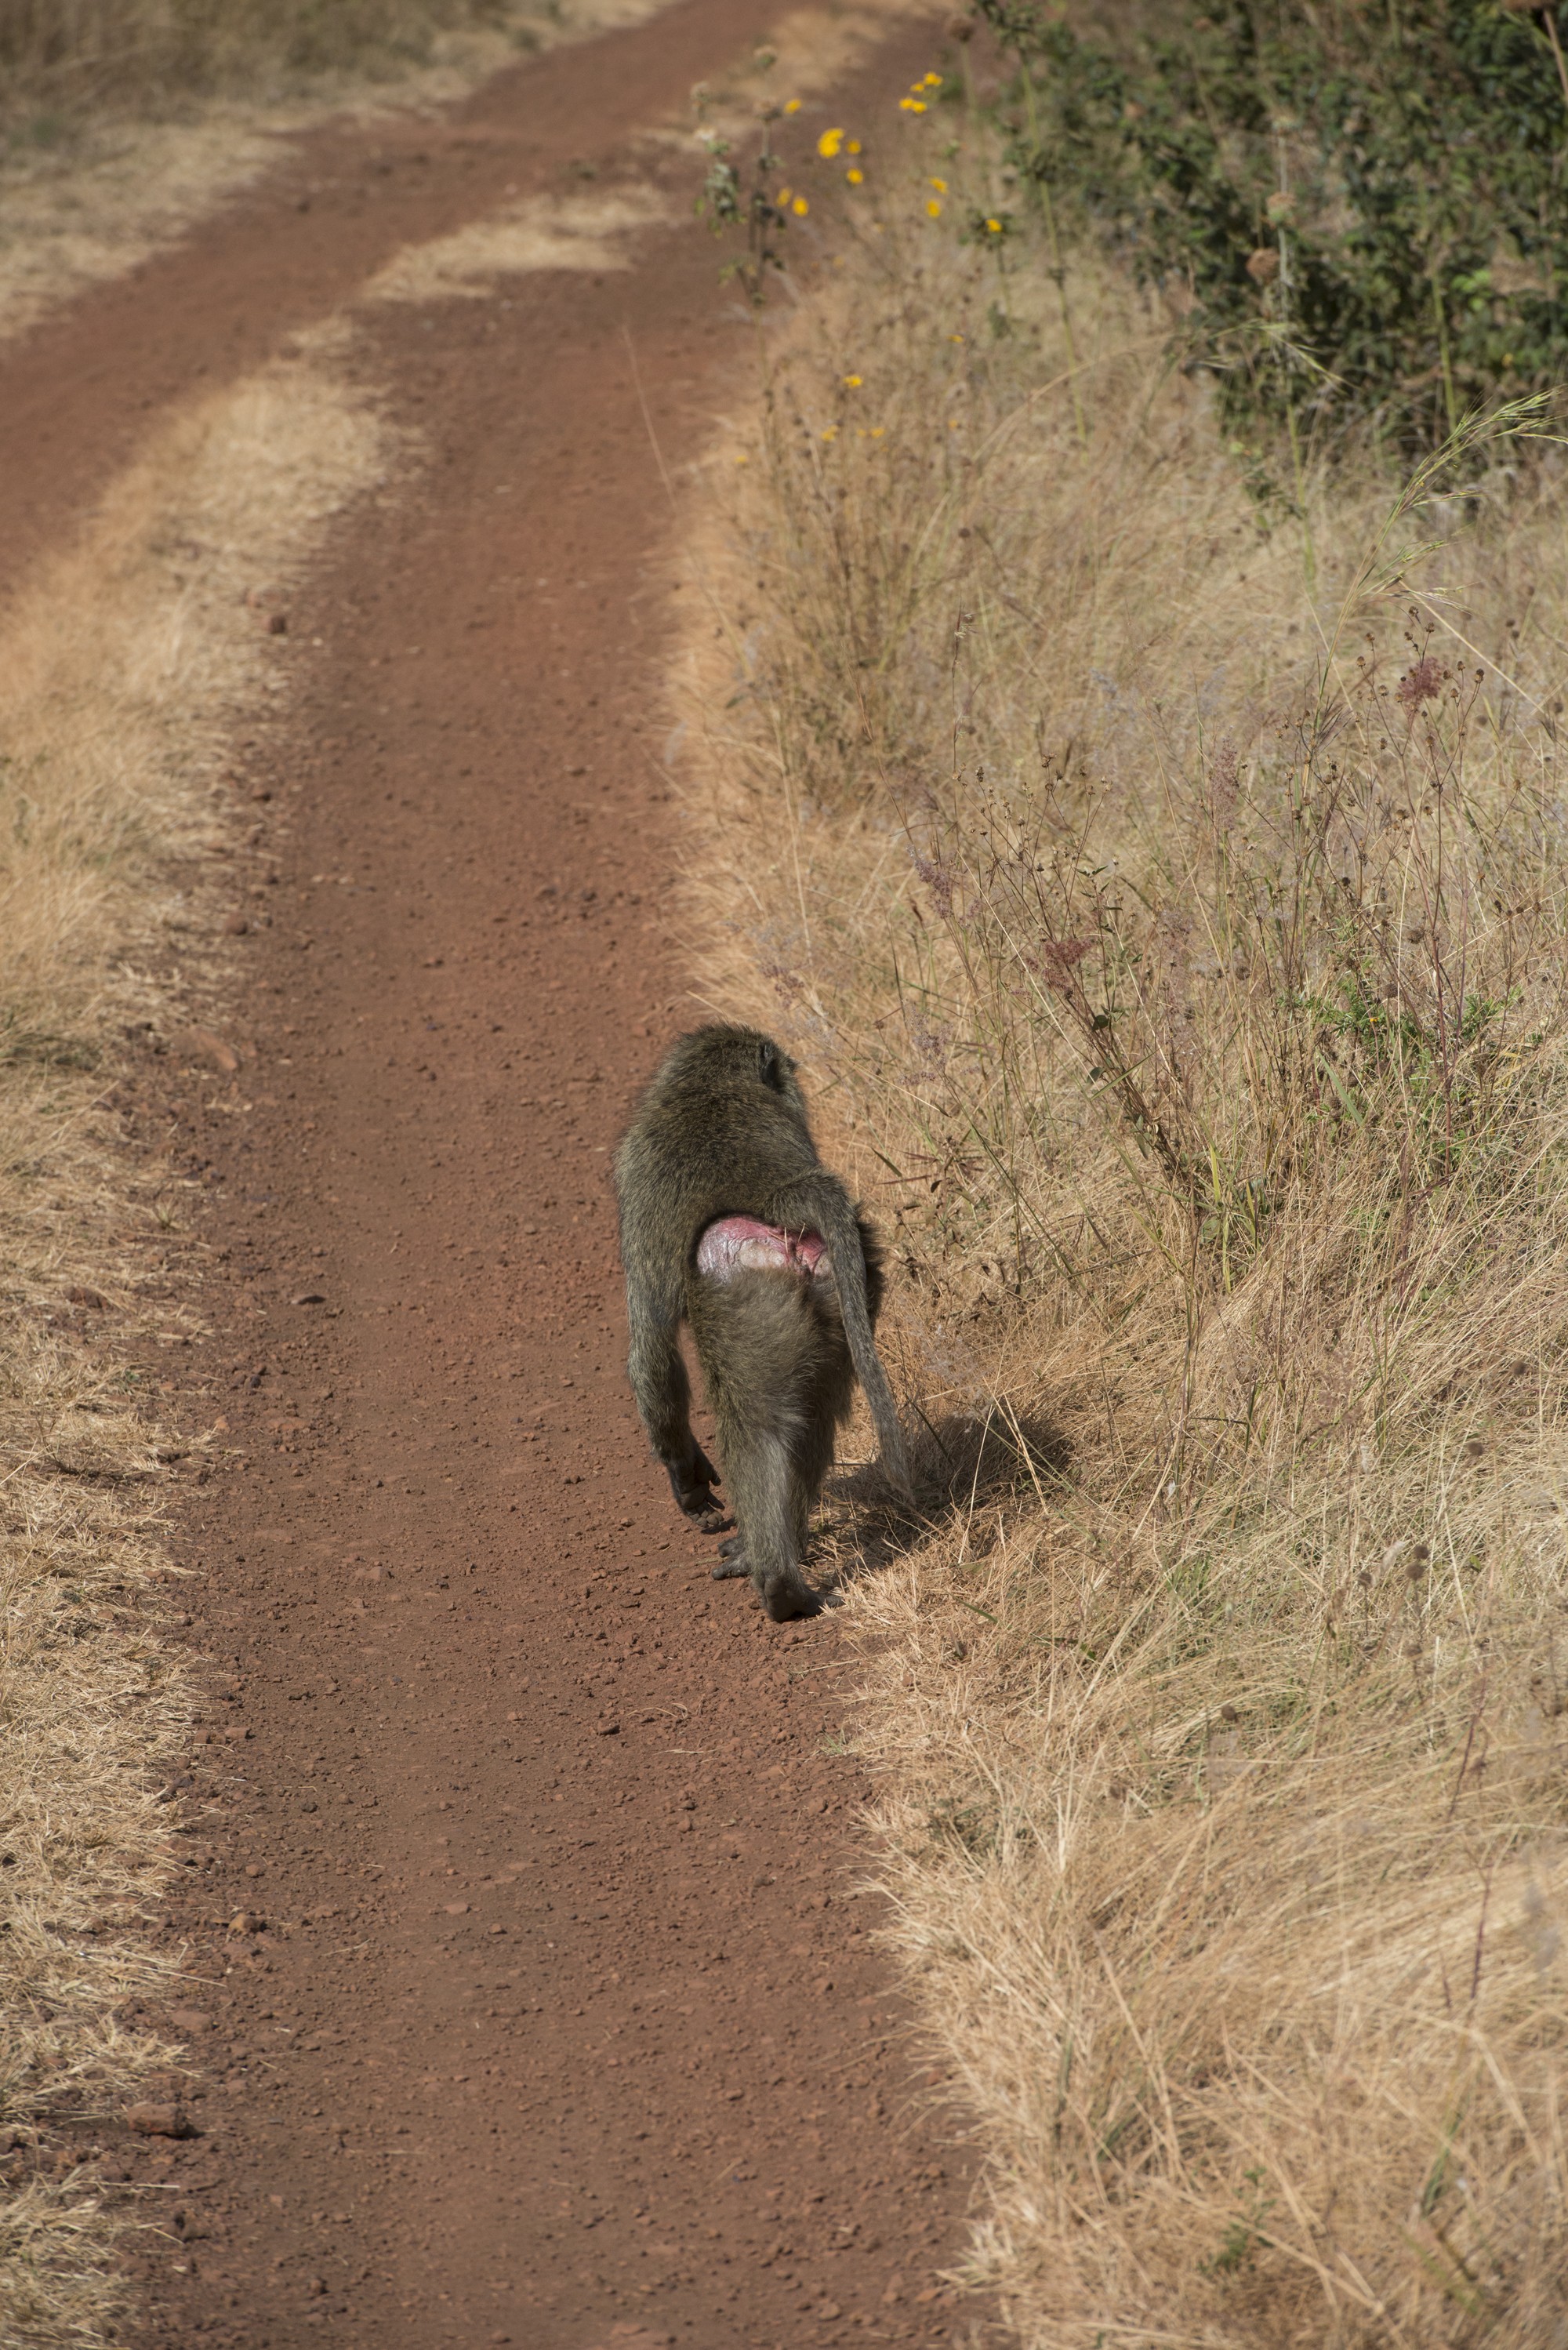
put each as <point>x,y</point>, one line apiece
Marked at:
<point>818,1386</point>
<point>761,1487</point>
<point>813,1444</point>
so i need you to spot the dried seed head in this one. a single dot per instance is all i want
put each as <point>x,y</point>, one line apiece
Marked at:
<point>1421,682</point>
<point>1364,1580</point>
<point>1263,264</point>
<point>960,28</point>
<point>1229,1714</point>
<point>1475,1450</point>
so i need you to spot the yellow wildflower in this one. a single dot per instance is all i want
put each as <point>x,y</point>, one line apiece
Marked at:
<point>934,208</point>
<point>831,433</point>
<point>829,145</point>
<point>854,147</point>
<point>855,178</point>
<point>955,339</point>
<point>800,207</point>
<point>994,226</point>
<point>912,105</point>
<point>932,81</point>
<point>940,186</point>
<point>792,106</point>
<point>877,431</point>
<point>782,197</point>
<point>854,381</point>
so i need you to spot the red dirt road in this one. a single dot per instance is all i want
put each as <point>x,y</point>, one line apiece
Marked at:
<point>554,2017</point>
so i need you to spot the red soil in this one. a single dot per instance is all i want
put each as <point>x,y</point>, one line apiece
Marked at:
<point>554,2015</point>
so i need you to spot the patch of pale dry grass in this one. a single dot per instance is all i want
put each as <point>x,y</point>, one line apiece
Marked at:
<point>583,233</point>
<point>1178,950</point>
<point>80,218</point>
<point>125,663</point>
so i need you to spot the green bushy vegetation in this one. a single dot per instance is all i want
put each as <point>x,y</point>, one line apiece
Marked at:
<point>1359,211</point>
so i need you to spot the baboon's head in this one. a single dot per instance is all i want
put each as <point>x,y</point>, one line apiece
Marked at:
<point>731,1059</point>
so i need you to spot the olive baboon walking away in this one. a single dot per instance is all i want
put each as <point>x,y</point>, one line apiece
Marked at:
<point>729,1221</point>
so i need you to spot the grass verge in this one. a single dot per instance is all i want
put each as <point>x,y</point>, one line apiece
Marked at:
<point>1170,913</point>
<point>126,664</point>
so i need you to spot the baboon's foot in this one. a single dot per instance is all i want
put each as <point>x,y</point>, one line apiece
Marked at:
<point>785,1596</point>
<point>734,1564</point>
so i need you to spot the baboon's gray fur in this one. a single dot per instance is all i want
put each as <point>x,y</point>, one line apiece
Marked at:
<point>722,1131</point>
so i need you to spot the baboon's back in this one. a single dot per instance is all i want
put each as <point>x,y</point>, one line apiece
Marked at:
<point>711,1136</point>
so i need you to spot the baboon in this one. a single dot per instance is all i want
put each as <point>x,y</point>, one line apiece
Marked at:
<point>729,1221</point>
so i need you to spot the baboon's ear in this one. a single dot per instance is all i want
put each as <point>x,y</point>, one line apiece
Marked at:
<point>772,1066</point>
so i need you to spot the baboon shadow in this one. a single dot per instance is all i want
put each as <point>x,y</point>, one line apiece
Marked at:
<point>960,1464</point>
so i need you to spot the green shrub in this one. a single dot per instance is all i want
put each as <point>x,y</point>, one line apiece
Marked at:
<point>1359,212</point>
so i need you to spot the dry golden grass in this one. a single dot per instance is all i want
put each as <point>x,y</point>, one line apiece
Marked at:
<point>1178,954</point>
<point>583,233</point>
<point>122,666</point>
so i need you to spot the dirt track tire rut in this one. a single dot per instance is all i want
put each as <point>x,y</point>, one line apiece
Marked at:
<point>534,1996</point>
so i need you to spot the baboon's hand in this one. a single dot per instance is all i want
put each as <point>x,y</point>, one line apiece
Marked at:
<point>693,1483</point>
<point>703,1505</point>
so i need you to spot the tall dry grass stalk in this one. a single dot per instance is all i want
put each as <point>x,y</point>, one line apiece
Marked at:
<point>124,666</point>
<point>1180,958</point>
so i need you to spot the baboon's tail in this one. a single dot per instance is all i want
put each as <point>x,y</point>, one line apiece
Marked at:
<point>825,1208</point>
